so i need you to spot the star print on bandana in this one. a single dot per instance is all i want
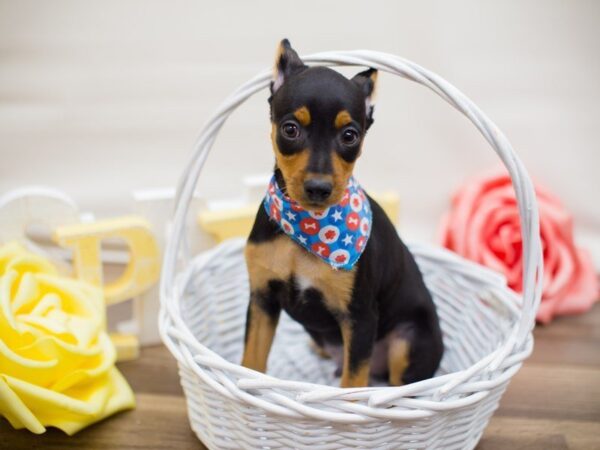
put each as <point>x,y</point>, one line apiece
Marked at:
<point>336,216</point>
<point>338,235</point>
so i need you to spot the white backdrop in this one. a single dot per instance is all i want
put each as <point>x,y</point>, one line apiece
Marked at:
<point>101,98</point>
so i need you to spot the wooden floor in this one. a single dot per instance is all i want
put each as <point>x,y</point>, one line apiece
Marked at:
<point>552,403</point>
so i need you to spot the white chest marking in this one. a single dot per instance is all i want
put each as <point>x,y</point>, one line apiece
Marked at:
<point>303,283</point>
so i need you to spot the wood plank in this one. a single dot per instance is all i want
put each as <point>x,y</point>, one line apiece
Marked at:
<point>158,422</point>
<point>539,434</point>
<point>549,391</point>
<point>155,372</point>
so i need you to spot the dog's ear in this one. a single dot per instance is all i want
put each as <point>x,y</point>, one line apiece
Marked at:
<point>367,82</point>
<point>287,63</point>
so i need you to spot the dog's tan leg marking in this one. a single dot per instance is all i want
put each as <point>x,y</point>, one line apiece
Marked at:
<point>357,377</point>
<point>398,360</point>
<point>319,350</point>
<point>262,262</point>
<point>260,333</point>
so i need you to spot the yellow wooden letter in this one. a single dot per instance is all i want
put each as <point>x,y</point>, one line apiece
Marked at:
<point>85,239</point>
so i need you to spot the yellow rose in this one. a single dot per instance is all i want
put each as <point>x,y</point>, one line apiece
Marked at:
<point>56,359</point>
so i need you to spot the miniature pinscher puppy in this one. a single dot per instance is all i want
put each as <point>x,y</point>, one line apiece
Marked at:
<point>323,250</point>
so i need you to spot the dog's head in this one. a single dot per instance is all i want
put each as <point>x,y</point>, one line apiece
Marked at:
<point>319,120</point>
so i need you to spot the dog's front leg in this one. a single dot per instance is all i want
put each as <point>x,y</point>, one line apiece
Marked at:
<point>261,321</point>
<point>358,335</point>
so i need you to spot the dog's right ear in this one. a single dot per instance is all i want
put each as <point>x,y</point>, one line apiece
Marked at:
<point>287,63</point>
<point>367,81</point>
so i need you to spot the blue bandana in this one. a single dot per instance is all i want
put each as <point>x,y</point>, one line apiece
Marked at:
<point>338,235</point>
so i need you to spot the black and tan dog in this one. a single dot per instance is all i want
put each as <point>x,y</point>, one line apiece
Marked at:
<point>377,318</point>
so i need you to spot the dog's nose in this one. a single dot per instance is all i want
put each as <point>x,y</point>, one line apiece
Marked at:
<point>317,190</point>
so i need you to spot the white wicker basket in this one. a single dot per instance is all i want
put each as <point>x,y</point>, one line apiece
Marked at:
<point>486,326</point>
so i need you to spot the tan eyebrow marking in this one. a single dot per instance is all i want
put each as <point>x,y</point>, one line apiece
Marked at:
<point>343,118</point>
<point>302,114</point>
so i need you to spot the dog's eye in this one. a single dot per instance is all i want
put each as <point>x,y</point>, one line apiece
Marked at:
<point>349,136</point>
<point>290,130</point>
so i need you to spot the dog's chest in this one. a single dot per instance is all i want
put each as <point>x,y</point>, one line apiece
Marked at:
<point>309,278</point>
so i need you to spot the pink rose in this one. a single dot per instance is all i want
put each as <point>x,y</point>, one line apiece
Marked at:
<point>483,225</point>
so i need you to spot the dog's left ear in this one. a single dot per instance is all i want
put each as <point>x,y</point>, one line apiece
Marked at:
<point>287,63</point>
<point>367,81</point>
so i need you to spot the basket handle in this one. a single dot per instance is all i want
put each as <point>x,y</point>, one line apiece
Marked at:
<point>525,194</point>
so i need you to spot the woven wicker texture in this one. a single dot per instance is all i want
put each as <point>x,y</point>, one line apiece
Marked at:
<point>487,327</point>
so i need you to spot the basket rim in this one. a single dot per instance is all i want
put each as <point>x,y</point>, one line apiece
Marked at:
<point>520,339</point>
